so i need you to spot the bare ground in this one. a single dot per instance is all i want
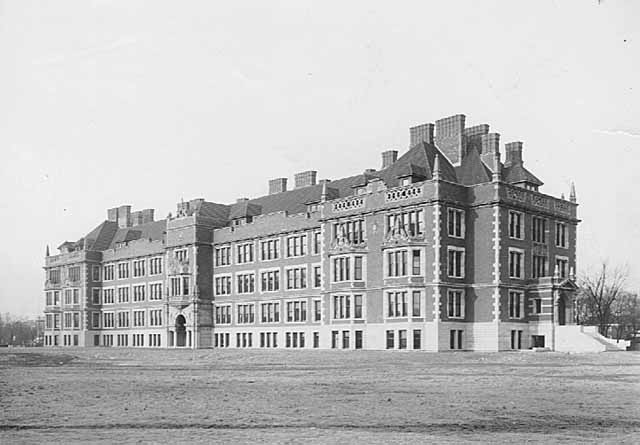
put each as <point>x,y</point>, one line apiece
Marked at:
<point>266,396</point>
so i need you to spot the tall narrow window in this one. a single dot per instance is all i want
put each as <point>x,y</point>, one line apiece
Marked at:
<point>456,224</point>
<point>515,224</point>
<point>456,262</point>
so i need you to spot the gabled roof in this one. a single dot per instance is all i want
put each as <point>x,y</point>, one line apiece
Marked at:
<point>243,209</point>
<point>421,155</point>
<point>517,173</point>
<point>153,231</point>
<point>473,170</point>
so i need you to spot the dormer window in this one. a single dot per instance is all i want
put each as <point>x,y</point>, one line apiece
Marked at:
<point>361,190</point>
<point>405,181</point>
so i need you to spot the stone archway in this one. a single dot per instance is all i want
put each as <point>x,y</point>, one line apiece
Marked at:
<point>181,331</point>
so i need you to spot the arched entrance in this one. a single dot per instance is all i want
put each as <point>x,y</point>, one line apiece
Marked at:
<point>181,331</point>
<point>562,311</point>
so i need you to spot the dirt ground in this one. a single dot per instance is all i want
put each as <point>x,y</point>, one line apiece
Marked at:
<point>266,396</point>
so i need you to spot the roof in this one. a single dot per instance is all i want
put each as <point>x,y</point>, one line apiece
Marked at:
<point>517,173</point>
<point>153,231</point>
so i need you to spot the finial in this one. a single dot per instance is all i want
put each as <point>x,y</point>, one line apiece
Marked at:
<point>323,194</point>
<point>556,271</point>
<point>562,196</point>
<point>47,251</point>
<point>572,274</point>
<point>437,173</point>
<point>572,194</point>
<point>497,171</point>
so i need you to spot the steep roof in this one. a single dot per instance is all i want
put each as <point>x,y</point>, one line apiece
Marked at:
<point>517,173</point>
<point>419,158</point>
<point>473,170</point>
<point>153,231</point>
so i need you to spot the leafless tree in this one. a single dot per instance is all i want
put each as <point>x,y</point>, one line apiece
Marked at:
<point>598,292</point>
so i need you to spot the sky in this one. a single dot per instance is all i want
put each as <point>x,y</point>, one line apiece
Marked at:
<point>105,103</point>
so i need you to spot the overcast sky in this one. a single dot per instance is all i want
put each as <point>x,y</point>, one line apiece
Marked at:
<point>104,103</point>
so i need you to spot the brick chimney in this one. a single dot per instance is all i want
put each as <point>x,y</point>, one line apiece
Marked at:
<point>473,137</point>
<point>450,137</point>
<point>513,154</point>
<point>389,157</point>
<point>490,150</point>
<point>305,179</point>
<point>277,185</point>
<point>121,215</point>
<point>420,133</point>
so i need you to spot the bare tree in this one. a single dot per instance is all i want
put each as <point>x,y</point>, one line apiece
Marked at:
<point>598,294</point>
<point>626,314</point>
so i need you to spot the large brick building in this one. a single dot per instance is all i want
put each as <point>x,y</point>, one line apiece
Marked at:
<point>446,247</point>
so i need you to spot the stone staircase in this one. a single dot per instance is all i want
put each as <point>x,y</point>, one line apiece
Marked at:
<point>575,338</point>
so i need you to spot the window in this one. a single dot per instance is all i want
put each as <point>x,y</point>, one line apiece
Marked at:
<point>416,295</point>
<point>223,256</point>
<point>402,339</point>
<point>49,298</point>
<point>317,310</point>
<point>54,276</point>
<point>411,222</point>
<point>351,232</point>
<point>155,266</point>
<point>74,273</point>
<point>270,281</point>
<point>455,304</point>
<point>390,340</point>
<point>155,291</point>
<point>95,320</point>
<point>246,283</point>
<point>180,286</point>
<point>68,295</point>
<point>357,306</point>
<point>181,255</point>
<point>270,312</point>
<point>455,338</point>
<point>562,264</point>
<point>138,318</point>
<point>56,321</point>
<point>416,267</point>
<point>456,262</point>
<point>108,296</point>
<point>108,320</point>
<point>341,307</point>
<point>76,296</point>
<point>358,344</point>
<point>109,272</point>
<point>138,268</point>
<point>223,285</point>
<point>138,293</point>
<point>296,246</point>
<point>123,295</point>
<point>516,339</point>
<point>341,269</point>
<point>223,314</point>
<point>296,311</point>
<point>123,319</point>
<point>561,235</point>
<point>296,278</point>
<point>245,313</point>
<point>516,304</point>
<point>270,250</point>
<point>317,241</point>
<point>539,264</point>
<point>537,305</point>
<point>123,271</point>
<point>317,276</point>
<point>244,253</point>
<point>516,222</point>
<point>397,263</point>
<point>56,298</point>
<point>67,319</point>
<point>345,340</point>
<point>397,304</point>
<point>95,273</point>
<point>417,339</point>
<point>515,263</point>
<point>455,223</point>
<point>316,339</point>
<point>539,230</point>
<point>95,296</point>
<point>155,317</point>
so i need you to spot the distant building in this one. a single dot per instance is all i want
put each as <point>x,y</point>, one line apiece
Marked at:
<point>444,248</point>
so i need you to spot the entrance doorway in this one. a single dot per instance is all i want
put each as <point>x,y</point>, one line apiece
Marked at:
<point>181,331</point>
<point>562,311</point>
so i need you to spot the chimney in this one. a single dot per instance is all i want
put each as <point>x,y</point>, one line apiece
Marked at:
<point>450,137</point>
<point>389,157</point>
<point>124,216</point>
<point>420,133</point>
<point>305,179</point>
<point>473,137</point>
<point>147,216</point>
<point>490,150</point>
<point>136,218</point>
<point>277,185</point>
<point>513,154</point>
<point>112,214</point>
